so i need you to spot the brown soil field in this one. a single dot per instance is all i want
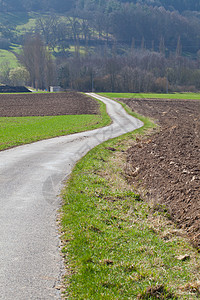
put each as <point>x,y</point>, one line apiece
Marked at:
<point>166,164</point>
<point>46,104</point>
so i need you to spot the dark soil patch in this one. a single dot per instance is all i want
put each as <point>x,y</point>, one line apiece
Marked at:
<point>169,161</point>
<point>47,104</point>
<point>13,89</point>
<point>156,292</point>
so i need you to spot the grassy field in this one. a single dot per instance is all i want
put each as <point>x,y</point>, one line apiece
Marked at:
<point>7,56</point>
<point>114,242</point>
<point>153,96</point>
<point>25,22</point>
<point>23,130</point>
<point>29,25</point>
<point>16,48</point>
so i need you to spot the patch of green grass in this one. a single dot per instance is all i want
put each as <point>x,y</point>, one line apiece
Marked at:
<point>21,20</point>
<point>81,49</point>
<point>16,48</point>
<point>8,56</point>
<point>28,26</point>
<point>23,130</point>
<point>153,96</point>
<point>111,247</point>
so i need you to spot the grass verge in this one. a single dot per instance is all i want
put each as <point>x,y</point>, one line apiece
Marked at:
<point>190,96</point>
<point>24,130</point>
<point>116,246</point>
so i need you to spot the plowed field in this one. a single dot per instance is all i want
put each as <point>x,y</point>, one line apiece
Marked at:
<point>47,104</point>
<point>167,164</point>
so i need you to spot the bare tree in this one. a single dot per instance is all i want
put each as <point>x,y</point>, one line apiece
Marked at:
<point>37,60</point>
<point>162,45</point>
<point>4,72</point>
<point>178,47</point>
<point>75,28</point>
<point>50,29</point>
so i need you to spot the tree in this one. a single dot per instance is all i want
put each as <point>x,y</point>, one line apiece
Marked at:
<point>4,72</point>
<point>178,47</point>
<point>19,76</point>
<point>75,29</point>
<point>112,68</point>
<point>162,46</point>
<point>48,28</point>
<point>53,30</point>
<point>38,61</point>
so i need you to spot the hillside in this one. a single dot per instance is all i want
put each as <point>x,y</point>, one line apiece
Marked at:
<point>157,40</point>
<point>147,22</point>
<point>62,5</point>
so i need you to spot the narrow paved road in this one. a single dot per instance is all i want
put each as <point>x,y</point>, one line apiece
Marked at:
<point>31,177</point>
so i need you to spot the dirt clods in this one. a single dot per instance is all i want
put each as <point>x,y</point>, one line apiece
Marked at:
<point>156,292</point>
<point>169,161</point>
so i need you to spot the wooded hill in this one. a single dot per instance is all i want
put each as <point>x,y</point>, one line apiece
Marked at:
<point>146,23</point>
<point>67,5</point>
<point>117,45</point>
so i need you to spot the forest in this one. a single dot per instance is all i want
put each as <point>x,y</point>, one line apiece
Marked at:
<point>67,5</point>
<point>118,45</point>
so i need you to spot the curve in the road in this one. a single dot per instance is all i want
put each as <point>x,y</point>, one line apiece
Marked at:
<point>30,178</point>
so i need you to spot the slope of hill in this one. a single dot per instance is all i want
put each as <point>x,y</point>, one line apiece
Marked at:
<point>161,33</point>
<point>148,22</point>
<point>63,5</point>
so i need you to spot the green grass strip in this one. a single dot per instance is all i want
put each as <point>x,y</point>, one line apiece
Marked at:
<point>111,248</point>
<point>23,130</point>
<point>190,96</point>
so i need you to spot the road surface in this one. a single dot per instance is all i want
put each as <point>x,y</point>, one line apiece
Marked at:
<point>31,177</point>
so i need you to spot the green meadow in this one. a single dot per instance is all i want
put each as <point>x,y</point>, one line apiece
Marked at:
<point>23,130</point>
<point>8,57</point>
<point>190,96</point>
<point>115,244</point>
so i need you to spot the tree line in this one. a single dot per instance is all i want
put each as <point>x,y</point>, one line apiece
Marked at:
<point>145,23</point>
<point>69,5</point>
<point>36,5</point>
<point>139,70</point>
<point>119,46</point>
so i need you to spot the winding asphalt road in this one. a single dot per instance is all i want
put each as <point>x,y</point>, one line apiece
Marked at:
<point>31,177</point>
